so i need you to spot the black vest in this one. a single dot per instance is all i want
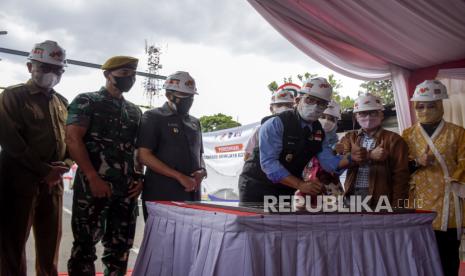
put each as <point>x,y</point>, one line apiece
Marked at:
<point>298,148</point>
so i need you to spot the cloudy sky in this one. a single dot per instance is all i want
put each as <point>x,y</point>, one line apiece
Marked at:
<point>231,51</point>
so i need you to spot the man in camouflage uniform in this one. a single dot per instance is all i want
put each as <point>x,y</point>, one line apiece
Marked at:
<point>32,140</point>
<point>101,133</point>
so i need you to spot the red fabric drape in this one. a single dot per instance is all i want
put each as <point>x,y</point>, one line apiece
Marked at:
<point>429,73</point>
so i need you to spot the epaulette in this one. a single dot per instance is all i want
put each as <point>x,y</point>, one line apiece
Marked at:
<point>16,86</point>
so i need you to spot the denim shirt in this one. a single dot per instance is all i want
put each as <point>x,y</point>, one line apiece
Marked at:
<point>332,139</point>
<point>271,145</point>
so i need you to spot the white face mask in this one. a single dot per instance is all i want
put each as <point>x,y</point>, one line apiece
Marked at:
<point>277,110</point>
<point>47,81</point>
<point>327,125</point>
<point>309,112</point>
<point>369,122</point>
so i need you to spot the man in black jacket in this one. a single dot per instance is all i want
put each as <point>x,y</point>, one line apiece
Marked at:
<point>170,145</point>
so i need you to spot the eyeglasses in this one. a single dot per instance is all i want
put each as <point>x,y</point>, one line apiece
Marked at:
<point>313,100</point>
<point>47,68</point>
<point>371,113</point>
<point>421,106</point>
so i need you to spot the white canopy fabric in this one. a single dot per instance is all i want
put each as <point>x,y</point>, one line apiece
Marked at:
<point>454,107</point>
<point>372,40</point>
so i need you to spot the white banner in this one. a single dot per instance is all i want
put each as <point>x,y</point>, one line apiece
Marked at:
<point>224,159</point>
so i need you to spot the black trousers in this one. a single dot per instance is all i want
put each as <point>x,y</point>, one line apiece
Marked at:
<point>255,190</point>
<point>448,247</point>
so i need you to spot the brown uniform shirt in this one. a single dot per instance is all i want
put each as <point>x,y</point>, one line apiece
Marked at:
<point>389,177</point>
<point>32,133</point>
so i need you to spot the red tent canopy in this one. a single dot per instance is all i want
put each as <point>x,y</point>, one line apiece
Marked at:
<point>407,41</point>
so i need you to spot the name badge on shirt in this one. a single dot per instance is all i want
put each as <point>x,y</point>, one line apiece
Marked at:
<point>175,130</point>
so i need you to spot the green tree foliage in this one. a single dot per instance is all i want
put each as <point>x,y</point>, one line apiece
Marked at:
<point>217,122</point>
<point>336,84</point>
<point>273,86</point>
<point>345,102</point>
<point>382,89</point>
<point>287,80</point>
<point>306,76</point>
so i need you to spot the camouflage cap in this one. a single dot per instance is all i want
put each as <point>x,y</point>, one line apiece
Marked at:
<point>117,62</point>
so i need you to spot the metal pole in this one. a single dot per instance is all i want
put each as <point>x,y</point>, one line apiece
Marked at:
<point>79,63</point>
<point>3,33</point>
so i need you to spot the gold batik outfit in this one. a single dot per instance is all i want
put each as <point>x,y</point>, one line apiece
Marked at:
<point>441,184</point>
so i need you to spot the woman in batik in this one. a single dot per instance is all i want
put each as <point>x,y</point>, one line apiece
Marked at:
<point>437,163</point>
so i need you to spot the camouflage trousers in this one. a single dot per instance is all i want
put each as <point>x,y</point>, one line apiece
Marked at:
<point>110,220</point>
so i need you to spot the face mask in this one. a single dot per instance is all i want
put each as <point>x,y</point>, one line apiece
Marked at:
<point>369,122</point>
<point>327,125</point>
<point>124,84</point>
<point>280,109</point>
<point>309,112</point>
<point>430,115</point>
<point>183,105</point>
<point>47,81</point>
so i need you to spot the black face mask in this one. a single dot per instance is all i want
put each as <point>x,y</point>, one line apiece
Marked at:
<point>183,105</point>
<point>124,84</point>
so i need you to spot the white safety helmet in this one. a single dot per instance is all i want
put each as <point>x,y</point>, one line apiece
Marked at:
<point>367,102</point>
<point>333,109</point>
<point>282,96</point>
<point>48,52</point>
<point>429,90</point>
<point>180,81</point>
<point>318,87</point>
